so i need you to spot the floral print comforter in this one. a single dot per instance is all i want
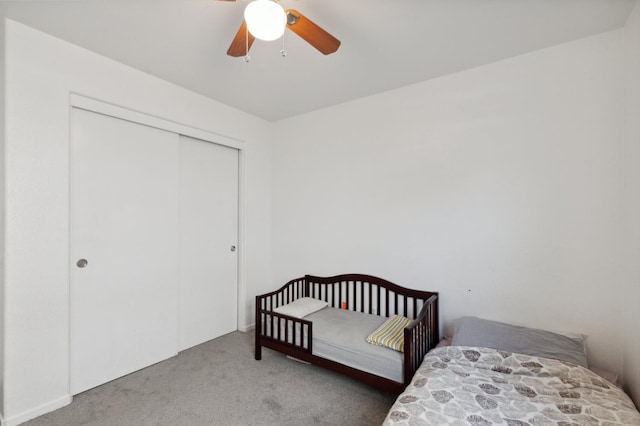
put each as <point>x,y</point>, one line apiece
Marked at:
<point>462,385</point>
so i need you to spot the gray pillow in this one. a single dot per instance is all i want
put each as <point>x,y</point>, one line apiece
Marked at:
<point>472,331</point>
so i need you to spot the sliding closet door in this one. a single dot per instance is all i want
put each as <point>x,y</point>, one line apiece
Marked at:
<point>208,241</point>
<point>124,247</point>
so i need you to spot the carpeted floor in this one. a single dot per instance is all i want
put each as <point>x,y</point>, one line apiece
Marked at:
<point>220,383</point>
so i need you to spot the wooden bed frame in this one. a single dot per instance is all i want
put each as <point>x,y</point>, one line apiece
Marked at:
<point>356,292</point>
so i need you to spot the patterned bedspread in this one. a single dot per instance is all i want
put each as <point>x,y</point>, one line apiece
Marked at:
<point>479,386</point>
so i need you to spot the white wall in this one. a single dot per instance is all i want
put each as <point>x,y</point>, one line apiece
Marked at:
<point>41,73</point>
<point>631,293</point>
<point>500,187</point>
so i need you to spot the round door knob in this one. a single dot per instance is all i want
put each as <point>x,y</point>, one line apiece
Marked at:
<point>233,248</point>
<point>82,263</point>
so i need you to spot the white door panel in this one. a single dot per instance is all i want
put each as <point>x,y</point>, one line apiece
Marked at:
<point>124,216</point>
<point>208,229</point>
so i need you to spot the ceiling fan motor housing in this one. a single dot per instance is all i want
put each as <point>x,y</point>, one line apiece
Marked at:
<point>291,18</point>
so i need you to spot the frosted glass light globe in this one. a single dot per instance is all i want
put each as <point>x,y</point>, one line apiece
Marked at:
<point>266,19</point>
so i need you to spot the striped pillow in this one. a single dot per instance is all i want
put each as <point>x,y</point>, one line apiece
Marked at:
<point>390,333</point>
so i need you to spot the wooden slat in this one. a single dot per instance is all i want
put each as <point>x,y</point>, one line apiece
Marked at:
<point>405,307</point>
<point>240,45</point>
<point>386,302</point>
<point>286,330</point>
<point>312,33</point>
<point>395,305</point>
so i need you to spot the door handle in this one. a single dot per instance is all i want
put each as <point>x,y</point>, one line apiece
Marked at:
<point>82,263</point>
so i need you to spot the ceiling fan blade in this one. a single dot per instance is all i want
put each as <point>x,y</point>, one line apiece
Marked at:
<point>240,45</point>
<point>311,33</point>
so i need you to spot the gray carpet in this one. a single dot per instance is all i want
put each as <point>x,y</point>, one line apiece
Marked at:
<point>220,383</point>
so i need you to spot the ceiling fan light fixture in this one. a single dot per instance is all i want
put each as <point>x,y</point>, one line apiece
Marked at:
<point>266,19</point>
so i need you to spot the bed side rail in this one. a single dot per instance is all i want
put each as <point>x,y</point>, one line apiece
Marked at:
<point>291,332</point>
<point>367,294</point>
<point>420,337</point>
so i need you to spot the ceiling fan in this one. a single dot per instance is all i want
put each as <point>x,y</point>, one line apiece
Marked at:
<point>294,20</point>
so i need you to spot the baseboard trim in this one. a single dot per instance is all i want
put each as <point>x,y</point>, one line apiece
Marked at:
<point>37,411</point>
<point>246,328</point>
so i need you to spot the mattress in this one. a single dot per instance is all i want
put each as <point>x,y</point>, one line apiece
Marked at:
<point>482,386</point>
<point>339,335</point>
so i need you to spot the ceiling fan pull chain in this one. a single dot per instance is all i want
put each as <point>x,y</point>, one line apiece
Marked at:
<point>247,58</point>
<point>283,52</point>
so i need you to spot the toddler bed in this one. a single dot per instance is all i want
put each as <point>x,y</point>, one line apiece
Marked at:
<point>498,374</point>
<point>326,320</point>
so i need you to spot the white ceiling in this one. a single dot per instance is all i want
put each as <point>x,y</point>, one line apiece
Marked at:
<point>385,44</point>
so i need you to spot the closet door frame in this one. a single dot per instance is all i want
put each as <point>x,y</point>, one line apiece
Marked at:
<point>86,103</point>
